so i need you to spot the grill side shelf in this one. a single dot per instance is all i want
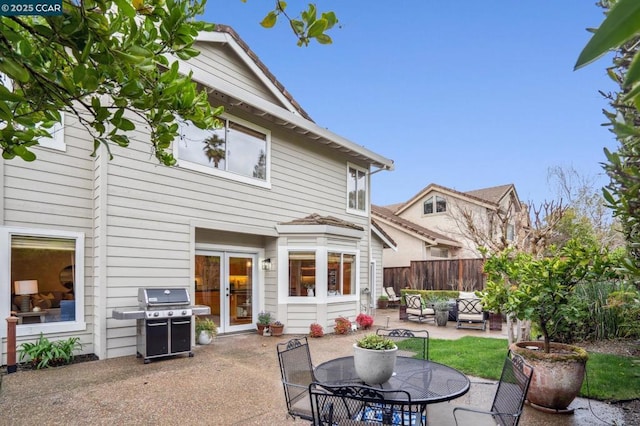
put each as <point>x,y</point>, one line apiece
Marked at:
<point>126,314</point>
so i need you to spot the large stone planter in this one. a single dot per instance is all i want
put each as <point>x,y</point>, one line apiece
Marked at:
<point>557,376</point>
<point>374,367</point>
<point>441,318</point>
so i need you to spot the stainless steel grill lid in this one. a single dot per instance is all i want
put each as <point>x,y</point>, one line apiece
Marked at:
<point>158,297</point>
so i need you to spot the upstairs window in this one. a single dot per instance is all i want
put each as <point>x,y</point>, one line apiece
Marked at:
<point>510,232</point>
<point>56,141</point>
<point>439,207</point>
<point>238,149</point>
<point>357,189</point>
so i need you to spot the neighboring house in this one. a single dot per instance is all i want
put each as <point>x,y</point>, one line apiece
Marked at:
<point>442,223</point>
<point>277,207</point>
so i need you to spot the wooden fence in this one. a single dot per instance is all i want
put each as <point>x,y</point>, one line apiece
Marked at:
<point>454,274</point>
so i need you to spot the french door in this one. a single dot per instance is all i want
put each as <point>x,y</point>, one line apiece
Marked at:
<point>226,282</point>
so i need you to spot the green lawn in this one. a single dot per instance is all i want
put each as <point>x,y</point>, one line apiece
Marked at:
<point>609,377</point>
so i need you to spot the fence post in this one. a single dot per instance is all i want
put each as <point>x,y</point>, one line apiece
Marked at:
<point>12,367</point>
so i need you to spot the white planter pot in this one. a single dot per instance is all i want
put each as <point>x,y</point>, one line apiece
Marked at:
<point>204,338</point>
<point>374,367</point>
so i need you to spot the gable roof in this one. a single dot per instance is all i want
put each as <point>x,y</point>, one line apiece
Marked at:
<point>386,238</point>
<point>487,197</point>
<point>290,116</point>
<point>409,227</point>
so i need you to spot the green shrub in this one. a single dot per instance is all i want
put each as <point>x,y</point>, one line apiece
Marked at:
<point>375,342</point>
<point>44,353</point>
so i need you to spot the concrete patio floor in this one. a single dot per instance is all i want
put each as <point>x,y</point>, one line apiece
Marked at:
<point>235,380</point>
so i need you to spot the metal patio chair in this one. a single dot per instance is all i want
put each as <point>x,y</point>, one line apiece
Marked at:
<point>471,314</point>
<point>394,299</point>
<point>296,371</point>
<point>508,401</point>
<point>397,334</point>
<point>415,308</point>
<point>362,405</point>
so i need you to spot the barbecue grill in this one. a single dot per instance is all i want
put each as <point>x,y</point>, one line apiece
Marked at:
<point>163,321</point>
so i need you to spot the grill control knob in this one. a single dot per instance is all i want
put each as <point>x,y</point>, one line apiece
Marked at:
<point>155,314</point>
<point>170,313</point>
<point>184,313</point>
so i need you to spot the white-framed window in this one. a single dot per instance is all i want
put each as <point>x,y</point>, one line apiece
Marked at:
<point>435,204</point>
<point>43,279</point>
<point>341,273</point>
<point>357,189</point>
<point>238,150</point>
<point>302,273</point>
<point>56,141</point>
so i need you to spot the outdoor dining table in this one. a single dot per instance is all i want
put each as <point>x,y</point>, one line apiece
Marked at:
<point>427,382</point>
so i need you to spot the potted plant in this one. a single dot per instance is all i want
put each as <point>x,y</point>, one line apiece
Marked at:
<point>538,289</point>
<point>374,357</point>
<point>276,328</point>
<point>383,301</point>
<point>264,319</point>
<point>343,325</point>
<point>364,321</point>
<point>316,330</point>
<point>441,306</point>
<point>206,330</point>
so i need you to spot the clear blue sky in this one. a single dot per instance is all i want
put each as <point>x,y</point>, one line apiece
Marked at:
<point>466,94</point>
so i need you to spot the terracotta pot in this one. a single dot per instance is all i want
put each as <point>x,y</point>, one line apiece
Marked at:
<point>261,327</point>
<point>276,330</point>
<point>557,376</point>
<point>383,304</point>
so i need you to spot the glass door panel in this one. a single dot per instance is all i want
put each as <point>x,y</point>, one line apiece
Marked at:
<point>208,273</point>
<point>240,290</point>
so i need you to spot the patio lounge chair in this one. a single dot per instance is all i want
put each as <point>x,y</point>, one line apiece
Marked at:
<point>506,408</point>
<point>415,308</point>
<point>296,371</point>
<point>471,314</point>
<point>394,299</point>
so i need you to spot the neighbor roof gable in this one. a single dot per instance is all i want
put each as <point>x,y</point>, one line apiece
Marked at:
<point>420,232</point>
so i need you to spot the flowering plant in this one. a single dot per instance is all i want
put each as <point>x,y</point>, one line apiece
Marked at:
<point>364,321</point>
<point>343,325</point>
<point>316,330</point>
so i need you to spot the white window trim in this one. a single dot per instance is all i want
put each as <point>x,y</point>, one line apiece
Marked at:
<point>320,296</point>
<point>225,173</point>
<point>5,282</point>
<point>364,212</point>
<point>434,204</point>
<point>55,142</point>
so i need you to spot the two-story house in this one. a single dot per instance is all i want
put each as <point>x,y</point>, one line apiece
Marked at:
<point>275,209</point>
<point>443,223</point>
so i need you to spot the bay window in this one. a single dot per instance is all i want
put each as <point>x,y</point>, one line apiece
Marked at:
<point>302,273</point>
<point>341,273</point>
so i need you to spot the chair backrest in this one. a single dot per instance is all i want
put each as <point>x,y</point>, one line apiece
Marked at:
<point>413,301</point>
<point>470,306</point>
<point>397,334</point>
<point>354,404</point>
<point>512,390</point>
<point>392,294</point>
<point>296,371</point>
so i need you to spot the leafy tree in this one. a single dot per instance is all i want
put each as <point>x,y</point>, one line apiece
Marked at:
<point>619,32</point>
<point>113,64</point>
